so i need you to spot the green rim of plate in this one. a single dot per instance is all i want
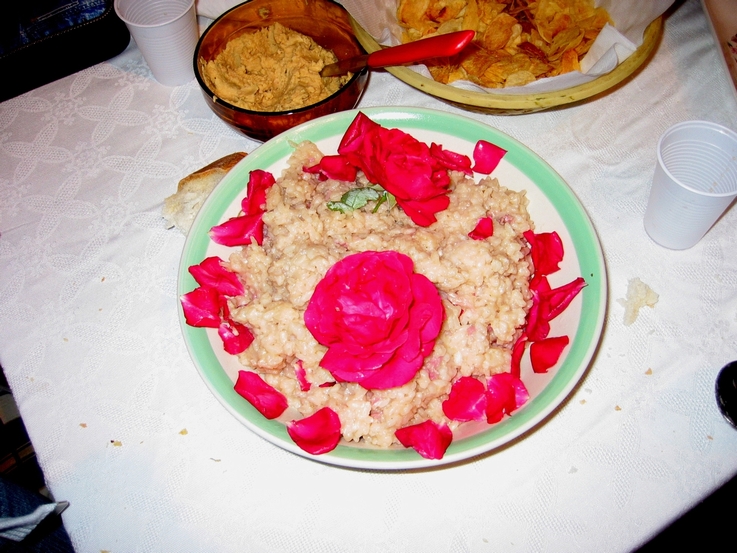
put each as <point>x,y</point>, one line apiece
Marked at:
<point>582,233</point>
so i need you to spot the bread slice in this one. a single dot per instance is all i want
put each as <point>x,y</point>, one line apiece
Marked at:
<point>181,207</point>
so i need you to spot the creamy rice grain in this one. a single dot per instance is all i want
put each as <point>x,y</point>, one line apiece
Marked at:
<point>484,286</point>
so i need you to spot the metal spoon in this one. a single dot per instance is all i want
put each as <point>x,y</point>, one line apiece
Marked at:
<point>435,47</point>
<point>726,392</point>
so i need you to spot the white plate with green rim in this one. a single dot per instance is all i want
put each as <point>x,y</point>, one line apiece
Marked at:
<point>553,207</point>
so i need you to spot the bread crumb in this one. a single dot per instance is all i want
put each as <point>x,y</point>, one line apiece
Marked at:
<point>639,295</point>
<point>181,207</point>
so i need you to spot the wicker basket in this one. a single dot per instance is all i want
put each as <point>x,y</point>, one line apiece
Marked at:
<point>515,104</point>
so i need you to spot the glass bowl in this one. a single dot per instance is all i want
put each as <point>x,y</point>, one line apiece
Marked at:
<point>326,22</point>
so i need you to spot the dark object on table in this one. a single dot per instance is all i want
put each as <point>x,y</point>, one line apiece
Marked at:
<point>22,486</point>
<point>726,391</point>
<point>710,522</point>
<point>45,40</point>
<point>48,536</point>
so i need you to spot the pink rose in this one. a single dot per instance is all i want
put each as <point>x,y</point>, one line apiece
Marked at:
<point>378,319</point>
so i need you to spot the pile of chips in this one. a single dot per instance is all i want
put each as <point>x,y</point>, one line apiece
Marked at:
<point>516,43</point>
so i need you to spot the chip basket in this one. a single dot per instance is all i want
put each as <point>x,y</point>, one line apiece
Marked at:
<point>516,104</point>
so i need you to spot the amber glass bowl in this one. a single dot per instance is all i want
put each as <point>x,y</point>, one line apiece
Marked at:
<point>328,23</point>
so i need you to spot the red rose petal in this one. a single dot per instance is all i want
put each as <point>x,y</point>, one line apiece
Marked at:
<point>484,229</point>
<point>466,401</point>
<point>265,398</point>
<point>318,433</point>
<point>353,138</point>
<point>259,182</point>
<point>378,319</point>
<point>238,231</point>
<point>546,250</point>
<point>335,167</point>
<point>486,156</point>
<point>554,302</point>
<point>235,336</point>
<point>211,274</point>
<point>518,350</point>
<point>301,375</point>
<point>201,307</point>
<point>402,165</point>
<point>451,160</point>
<point>545,353</point>
<point>538,326</point>
<point>427,438</point>
<point>505,394</point>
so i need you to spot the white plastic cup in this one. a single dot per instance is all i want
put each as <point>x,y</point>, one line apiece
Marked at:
<point>695,181</point>
<point>166,32</point>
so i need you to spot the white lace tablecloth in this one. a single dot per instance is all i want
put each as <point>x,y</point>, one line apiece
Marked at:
<point>126,431</point>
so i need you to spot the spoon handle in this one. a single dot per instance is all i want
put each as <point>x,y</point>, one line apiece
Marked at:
<point>438,46</point>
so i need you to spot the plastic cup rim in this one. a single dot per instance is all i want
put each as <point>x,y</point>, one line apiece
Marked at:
<point>695,123</point>
<point>152,25</point>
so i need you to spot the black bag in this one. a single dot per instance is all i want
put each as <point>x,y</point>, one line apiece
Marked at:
<point>44,40</point>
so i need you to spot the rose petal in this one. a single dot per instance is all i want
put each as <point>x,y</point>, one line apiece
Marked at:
<point>238,231</point>
<point>554,302</point>
<point>211,274</point>
<point>451,160</point>
<point>545,353</point>
<point>518,350</point>
<point>423,212</point>
<point>265,398</point>
<point>318,433</point>
<point>538,326</point>
<point>235,336</point>
<point>428,438</point>
<point>353,138</point>
<point>505,393</point>
<point>466,401</point>
<point>301,374</point>
<point>378,319</point>
<point>484,229</point>
<point>546,250</point>
<point>499,401</point>
<point>486,156</point>
<point>336,167</point>
<point>402,165</point>
<point>201,307</point>
<point>259,182</point>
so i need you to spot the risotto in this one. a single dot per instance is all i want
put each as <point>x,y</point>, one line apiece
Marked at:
<point>484,286</point>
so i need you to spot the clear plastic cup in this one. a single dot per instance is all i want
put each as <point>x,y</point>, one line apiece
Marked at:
<point>695,181</point>
<point>166,32</point>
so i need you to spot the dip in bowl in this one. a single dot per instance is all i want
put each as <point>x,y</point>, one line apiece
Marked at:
<point>258,64</point>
